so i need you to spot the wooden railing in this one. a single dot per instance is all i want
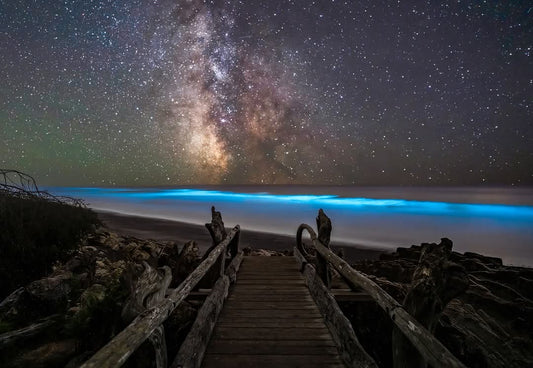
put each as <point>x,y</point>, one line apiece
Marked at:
<point>427,345</point>
<point>148,323</point>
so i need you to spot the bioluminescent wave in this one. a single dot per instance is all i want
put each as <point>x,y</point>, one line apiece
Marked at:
<point>500,230</point>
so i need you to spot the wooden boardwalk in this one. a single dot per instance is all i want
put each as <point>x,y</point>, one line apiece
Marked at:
<point>271,320</point>
<point>271,311</point>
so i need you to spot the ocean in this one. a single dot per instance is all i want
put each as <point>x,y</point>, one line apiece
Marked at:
<point>488,220</point>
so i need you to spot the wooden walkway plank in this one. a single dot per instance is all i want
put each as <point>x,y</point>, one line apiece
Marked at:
<point>269,323</point>
<point>274,361</point>
<point>269,313</point>
<point>271,333</point>
<point>270,298</point>
<point>295,347</point>
<point>263,304</point>
<point>271,320</point>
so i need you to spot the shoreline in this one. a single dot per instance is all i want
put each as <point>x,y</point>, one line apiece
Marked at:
<point>182,232</point>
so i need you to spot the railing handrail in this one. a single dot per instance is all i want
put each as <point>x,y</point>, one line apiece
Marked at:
<point>427,345</point>
<point>116,352</point>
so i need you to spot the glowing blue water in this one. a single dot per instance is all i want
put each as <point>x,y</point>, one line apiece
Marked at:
<point>503,230</point>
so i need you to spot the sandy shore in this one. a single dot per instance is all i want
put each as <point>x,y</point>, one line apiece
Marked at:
<point>180,232</point>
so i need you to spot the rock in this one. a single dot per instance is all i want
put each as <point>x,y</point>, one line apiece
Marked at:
<point>169,255</point>
<point>87,293</point>
<point>248,251</point>
<point>89,249</point>
<point>102,271</point>
<point>140,255</point>
<point>152,248</point>
<point>409,253</point>
<point>51,293</point>
<point>112,241</point>
<point>489,261</point>
<point>94,294</point>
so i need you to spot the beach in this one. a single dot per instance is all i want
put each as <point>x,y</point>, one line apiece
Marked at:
<point>181,232</point>
<point>497,223</point>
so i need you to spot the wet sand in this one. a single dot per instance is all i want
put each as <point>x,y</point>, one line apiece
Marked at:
<point>180,232</point>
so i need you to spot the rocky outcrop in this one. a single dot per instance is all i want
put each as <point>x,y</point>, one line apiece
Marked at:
<point>92,297</point>
<point>489,325</point>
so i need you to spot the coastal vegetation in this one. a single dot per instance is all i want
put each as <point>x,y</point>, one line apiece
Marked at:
<point>36,229</point>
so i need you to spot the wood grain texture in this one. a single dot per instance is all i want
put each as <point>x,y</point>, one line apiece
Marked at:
<point>435,282</point>
<point>157,338</point>
<point>351,351</point>
<point>191,352</point>
<point>427,345</point>
<point>270,320</point>
<point>22,334</point>
<point>295,347</point>
<point>274,361</point>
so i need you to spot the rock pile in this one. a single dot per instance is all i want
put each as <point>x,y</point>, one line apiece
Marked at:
<point>81,303</point>
<point>248,251</point>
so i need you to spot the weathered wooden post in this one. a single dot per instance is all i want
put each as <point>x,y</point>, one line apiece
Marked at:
<point>218,234</point>
<point>436,281</point>
<point>323,224</point>
<point>147,290</point>
<point>234,245</point>
<point>216,228</point>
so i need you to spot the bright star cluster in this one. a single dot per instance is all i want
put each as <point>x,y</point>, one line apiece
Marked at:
<point>371,92</point>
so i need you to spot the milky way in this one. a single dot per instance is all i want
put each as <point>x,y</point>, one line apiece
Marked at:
<point>311,92</point>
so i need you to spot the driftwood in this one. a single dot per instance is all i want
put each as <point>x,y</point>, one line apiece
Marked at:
<point>234,266</point>
<point>427,345</point>
<point>216,228</point>
<point>436,281</point>
<point>158,341</point>
<point>117,351</point>
<point>317,260</point>
<point>11,300</point>
<point>192,350</point>
<point>218,234</point>
<point>323,224</point>
<point>22,334</point>
<point>146,291</point>
<point>350,350</point>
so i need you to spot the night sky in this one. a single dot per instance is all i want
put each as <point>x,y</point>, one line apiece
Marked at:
<point>160,92</point>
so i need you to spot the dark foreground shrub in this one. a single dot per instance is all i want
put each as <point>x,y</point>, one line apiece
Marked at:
<point>35,233</point>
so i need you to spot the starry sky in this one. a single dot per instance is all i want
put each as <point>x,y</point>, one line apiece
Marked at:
<point>177,92</point>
